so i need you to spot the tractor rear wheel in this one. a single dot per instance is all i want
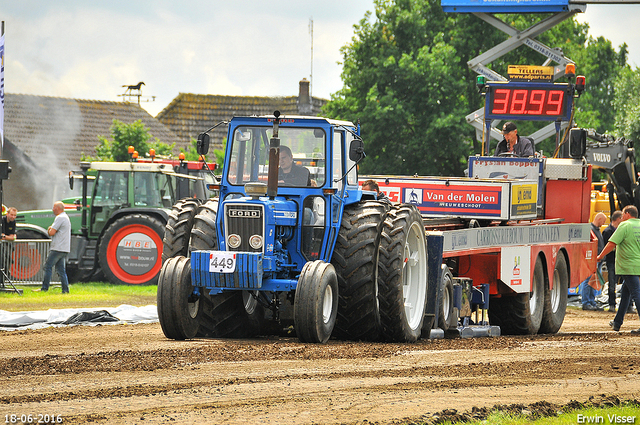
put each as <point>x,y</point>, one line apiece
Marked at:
<point>130,251</point>
<point>230,314</point>
<point>178,312</point>
<point>177,232</point>
<point>355,259</point>
<point>402,274</point>
<point>316,302</point>
<point>521,314</point>
<point>555,300</point>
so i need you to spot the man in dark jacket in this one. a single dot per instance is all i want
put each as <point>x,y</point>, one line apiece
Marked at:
<point>513,143</point>
<point>610,259</point>
<point>290,173</point>
<point>587,292</point>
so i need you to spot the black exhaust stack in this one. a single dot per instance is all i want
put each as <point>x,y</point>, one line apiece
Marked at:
<point>274,158</point>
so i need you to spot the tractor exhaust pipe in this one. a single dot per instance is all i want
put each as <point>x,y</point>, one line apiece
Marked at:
<point>274,158</point>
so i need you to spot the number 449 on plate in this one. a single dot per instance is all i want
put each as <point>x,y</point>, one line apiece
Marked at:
<point>222,261</point>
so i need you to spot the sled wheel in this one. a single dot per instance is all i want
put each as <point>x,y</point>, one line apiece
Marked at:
<point>521,314</point>
<point>445,309</point>
<point>555,299</point>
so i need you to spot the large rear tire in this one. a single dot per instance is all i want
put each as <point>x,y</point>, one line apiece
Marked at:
<point>178,312</point>
<point>402,274</point>
<point>555,300</point>
<point>316,302</point>
<point>231,314</point>
<point>177,232</point>
<point>355,259</point>
<point>130,251</point>
<point>24,261</point>
<point>521,314</point>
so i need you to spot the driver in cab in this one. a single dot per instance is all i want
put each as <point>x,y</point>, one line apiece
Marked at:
<point>512,143</point>
<point>290,173</point>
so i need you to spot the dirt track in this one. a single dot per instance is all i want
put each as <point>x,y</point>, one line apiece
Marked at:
<point>133,374</point>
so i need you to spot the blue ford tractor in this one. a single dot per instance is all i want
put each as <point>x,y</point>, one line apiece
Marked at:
<point>293,242</point>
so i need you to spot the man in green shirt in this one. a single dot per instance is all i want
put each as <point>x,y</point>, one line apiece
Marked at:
<point>626,241</point>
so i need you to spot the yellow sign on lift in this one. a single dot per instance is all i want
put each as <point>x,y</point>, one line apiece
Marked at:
<point>530,73</point>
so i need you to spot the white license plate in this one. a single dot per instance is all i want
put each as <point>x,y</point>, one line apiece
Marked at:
<point>222,261</point>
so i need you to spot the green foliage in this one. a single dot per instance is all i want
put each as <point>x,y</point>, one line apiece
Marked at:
<point>401,81</point>
<point>406,79</point>
<point>627,104</point>
<point>125,135</point>
<point>192,154</point>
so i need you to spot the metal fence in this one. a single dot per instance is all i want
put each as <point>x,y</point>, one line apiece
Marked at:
<point>22,261</point>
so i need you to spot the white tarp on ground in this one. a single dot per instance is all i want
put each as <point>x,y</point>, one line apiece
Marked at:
<point>18,320</point>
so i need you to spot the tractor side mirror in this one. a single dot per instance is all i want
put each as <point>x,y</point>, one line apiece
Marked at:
<point>202,145</point>
<point>356,150</point>
<point>577,143</point>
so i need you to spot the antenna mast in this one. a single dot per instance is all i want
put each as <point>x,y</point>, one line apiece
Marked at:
<point>311,74</point>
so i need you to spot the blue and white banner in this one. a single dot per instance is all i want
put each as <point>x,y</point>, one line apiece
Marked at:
<point>2,91</point>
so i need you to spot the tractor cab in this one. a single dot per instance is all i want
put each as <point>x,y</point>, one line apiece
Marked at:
<point>294,217</point>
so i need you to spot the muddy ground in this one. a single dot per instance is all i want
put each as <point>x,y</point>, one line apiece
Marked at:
<point>132,374</point>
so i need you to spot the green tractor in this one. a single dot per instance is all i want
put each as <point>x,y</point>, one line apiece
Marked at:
<point>118,219</point>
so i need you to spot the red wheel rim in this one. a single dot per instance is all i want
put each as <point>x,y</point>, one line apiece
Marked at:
<point>25,262</point>
<point>112,254</point>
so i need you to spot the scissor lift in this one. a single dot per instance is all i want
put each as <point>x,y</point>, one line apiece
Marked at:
<point>484,9</point>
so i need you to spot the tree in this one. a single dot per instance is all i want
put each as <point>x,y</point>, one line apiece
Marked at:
<point>627,104</point>
<point>125,135</point>
<point>401,79</point>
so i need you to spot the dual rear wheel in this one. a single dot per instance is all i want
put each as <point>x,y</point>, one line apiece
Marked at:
<point>540,311</point>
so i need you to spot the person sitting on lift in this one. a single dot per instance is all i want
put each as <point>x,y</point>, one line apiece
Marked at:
<point>290,173</point>
<point>512,143</point>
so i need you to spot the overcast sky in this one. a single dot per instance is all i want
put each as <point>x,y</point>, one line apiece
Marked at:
<point>90,49</point>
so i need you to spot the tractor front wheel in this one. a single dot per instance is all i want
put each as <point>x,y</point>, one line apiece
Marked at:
<point>178,310</point>
<point>316,302</point>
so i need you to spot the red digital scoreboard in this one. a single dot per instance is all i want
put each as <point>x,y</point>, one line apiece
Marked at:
<point>529,101</point>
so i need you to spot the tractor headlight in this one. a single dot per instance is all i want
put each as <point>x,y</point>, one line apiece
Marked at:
<point>255,241</point>
<point>234,241</point>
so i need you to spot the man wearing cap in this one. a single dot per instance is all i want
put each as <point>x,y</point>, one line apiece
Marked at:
<point>513,143</point>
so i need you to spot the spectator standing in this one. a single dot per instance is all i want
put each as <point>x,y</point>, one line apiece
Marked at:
<point>610,259</point>
<point>626,242</point>
<point>9,225</point>
<point>60,232</point>
<point>588,292</point>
